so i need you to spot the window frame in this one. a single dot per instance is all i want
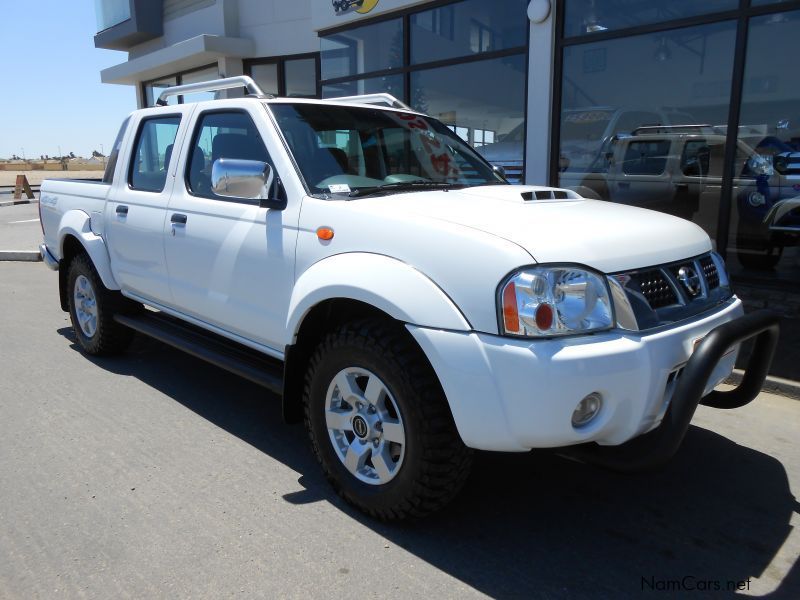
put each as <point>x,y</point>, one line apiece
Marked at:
<point>196,128</point>
<point>281,61</point>
<point>178,81</point>
<point>135,147</point>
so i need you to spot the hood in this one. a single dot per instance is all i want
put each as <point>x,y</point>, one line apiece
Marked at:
<point>606,236</point>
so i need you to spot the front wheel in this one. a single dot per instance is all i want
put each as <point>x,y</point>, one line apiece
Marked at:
<point>379,422</point>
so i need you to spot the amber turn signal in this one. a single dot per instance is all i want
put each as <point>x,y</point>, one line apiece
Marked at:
<point>325,233</point>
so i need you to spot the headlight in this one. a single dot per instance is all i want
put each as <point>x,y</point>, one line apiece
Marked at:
<point>761,164</point>
<point>550,301</point>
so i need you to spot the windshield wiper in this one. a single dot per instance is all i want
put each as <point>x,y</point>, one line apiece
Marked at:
<point>405,186</point>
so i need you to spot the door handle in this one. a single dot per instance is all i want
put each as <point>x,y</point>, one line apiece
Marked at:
<point>624,186</point>
<point>178,219</point>
<point>122,210</point>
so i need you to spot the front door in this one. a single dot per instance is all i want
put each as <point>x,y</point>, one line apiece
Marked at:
<point>230,262</point>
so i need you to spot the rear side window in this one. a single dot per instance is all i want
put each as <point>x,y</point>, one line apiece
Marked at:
<point>152,153</point>
<point>108,176</point>
<point>646,158</point>
<point>221,135</point>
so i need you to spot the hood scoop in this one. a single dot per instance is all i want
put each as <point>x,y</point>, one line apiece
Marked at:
<point>549,195</point>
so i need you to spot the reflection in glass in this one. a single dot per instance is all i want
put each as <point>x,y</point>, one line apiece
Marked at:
<point>490,117</point>
<point>644,119</point>
<point>591,16</point>
<point>266,76</point>
<point>154,88</point>
<point>111,12</point>
<point>392,84</point>
<point>466,28</point>
<point>208,74</point>
<point>301,78</point>
<point>362,50</point>
<point>765,210</point>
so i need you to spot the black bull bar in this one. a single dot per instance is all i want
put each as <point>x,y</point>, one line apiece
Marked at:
<point>656,447</point>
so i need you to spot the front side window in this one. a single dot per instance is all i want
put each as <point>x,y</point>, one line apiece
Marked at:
<point>346,149</point>
<point>152,154</point>
<point>221,135</point>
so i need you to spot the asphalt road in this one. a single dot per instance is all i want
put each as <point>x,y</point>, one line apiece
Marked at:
<point>156,475</point>
<point>19,227</point>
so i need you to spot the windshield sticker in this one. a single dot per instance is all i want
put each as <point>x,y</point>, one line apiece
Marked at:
<point>339,188</point>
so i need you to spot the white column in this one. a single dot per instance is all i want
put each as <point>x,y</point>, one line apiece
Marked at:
<point>541,57</point>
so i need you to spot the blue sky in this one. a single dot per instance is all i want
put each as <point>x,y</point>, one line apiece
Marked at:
<point>51,93</point>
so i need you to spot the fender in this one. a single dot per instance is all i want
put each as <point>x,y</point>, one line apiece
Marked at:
<point>79,224</point>
<point>388,284</point>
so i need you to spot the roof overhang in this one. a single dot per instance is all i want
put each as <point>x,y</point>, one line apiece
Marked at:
<point>188,54</point>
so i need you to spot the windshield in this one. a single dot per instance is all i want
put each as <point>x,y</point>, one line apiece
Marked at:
<point>356,150</point>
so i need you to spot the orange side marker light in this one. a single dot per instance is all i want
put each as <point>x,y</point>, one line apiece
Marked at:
<point>325,233</point>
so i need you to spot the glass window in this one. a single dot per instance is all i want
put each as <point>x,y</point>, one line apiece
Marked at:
<point>108,175</point>
<point>154,88</point>
<point>590,16</point>
<point>351,148</point>
<point>208,74</point>
<point>362,50</point>
<point>644,119</point>
<point>153,150</point>
<point>483,102</point>
<point>765,211</point>
<point>301,78</point>
<point>392,84</point>
<point>266,76</point>
<point>111,12</point>
<point>221,135</point>
<point>467,28</point>
<point>646,158</point>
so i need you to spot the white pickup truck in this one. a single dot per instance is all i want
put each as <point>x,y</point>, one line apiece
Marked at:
<point>360,260</point>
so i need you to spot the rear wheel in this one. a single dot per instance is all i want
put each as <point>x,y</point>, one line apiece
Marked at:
<point>379,423</point>
<point>91,309</point>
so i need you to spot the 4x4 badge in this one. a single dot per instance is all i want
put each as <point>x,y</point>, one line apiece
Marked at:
<point>690,280</point>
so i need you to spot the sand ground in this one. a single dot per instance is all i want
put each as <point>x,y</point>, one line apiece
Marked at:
<point>36,177</point>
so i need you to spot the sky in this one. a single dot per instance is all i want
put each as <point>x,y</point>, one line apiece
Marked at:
<point>51,93</point>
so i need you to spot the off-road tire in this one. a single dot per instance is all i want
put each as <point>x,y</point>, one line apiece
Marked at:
<point>110,337</point>
<point>436,462</point>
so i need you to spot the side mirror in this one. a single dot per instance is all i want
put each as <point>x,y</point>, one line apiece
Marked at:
<point>244,179</point>
<point>499,170</point>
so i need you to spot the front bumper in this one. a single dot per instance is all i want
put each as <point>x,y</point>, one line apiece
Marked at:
<point>515,395</point>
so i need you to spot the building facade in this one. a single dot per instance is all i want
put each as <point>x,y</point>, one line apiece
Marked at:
<point>686,107</point>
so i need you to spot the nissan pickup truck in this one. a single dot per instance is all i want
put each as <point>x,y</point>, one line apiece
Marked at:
<point>402,299</point>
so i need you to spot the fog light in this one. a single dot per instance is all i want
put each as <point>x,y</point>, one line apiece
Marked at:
<point>587,409</point>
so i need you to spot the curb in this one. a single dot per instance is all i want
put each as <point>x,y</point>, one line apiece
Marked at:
<point>774,385</point>
<point>20,255</point>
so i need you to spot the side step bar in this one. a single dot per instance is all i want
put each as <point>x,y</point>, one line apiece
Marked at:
<point>226,354</point>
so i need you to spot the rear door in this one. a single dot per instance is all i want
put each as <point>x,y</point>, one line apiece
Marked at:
<point>230,262</point>
<point>136,209</point>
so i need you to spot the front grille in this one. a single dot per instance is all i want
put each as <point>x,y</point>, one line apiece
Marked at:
<point>662,294</point>
<point>710,272</point>
<point>656,289</point>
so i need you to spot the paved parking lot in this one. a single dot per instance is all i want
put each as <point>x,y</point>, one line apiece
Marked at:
<point>156,475</point>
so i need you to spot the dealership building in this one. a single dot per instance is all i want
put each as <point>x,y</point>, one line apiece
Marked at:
<point>692,108</point>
